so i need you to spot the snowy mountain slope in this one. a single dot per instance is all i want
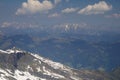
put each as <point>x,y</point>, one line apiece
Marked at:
<point>21,65</point>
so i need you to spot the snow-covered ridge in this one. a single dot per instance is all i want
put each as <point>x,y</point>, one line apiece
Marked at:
<point>55,65</point>
<point>34,67</point>
<point>2,51</point>
<point>41,68</point>
<point>17,75</point>
<point>10,51</point>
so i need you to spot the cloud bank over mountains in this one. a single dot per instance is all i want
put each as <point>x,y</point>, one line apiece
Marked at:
<point>36,13</point>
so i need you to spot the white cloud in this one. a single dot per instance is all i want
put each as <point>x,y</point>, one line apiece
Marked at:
<point>69,10</point>
<point>34,6</point>
<point>54,15</point>
<point>57,1</point>
<point>115,15</point>
<point>97,8</point>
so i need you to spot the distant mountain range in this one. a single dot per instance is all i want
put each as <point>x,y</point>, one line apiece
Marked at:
<point>76,45</point>
<point>16,64</point>
<point>71,28</point>
<point>89,52</point>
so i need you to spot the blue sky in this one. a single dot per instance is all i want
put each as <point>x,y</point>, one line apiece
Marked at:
<point>48,12</point>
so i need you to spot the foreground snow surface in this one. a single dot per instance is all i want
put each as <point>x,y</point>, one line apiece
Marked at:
<point>18,75</point>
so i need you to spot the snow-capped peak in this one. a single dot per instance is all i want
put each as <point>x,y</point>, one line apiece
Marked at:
<point>30,64</point>
<point>23,65</point>
<point>10,51</point>
<point>13,51</point>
